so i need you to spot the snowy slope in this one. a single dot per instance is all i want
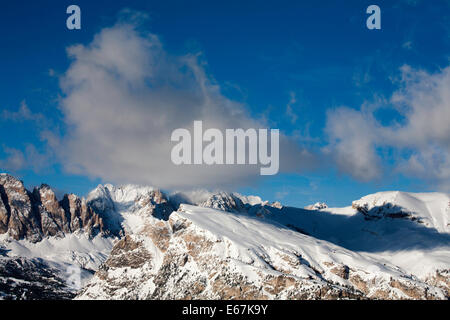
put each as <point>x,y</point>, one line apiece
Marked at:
<point>219,245</point>
<point>80,250</point>
<point>409,230</point>
<point>202,252</point>
<point>431,209</point>
<point>73,252</point>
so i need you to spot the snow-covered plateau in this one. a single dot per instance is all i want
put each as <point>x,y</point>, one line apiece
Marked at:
<point>135,242</point>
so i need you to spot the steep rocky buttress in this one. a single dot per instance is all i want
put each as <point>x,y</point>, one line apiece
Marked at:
<point>34,215</point>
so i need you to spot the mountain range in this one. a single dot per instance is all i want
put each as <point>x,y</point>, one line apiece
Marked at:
<point>136,242</point>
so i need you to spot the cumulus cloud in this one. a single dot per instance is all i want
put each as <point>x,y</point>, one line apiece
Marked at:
<point>123,97</point>
<point>420,140</point>
<point>353,135</point>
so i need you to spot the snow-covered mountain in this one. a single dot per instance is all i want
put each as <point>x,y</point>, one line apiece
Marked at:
<point>223,247</point>
<point>42,240</point>
<point>430,209</point>
<point>143,244</point>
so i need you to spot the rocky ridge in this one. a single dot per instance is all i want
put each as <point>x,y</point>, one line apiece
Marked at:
<point>38,214</point>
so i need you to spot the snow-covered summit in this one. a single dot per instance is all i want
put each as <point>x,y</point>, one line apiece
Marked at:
<point>121,194</point>
<point>224,201</point>
<point>430,209</point>
<point>124,207</point>
<point>317,206</point>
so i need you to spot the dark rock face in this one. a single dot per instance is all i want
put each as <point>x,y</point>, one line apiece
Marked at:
<point>4,216</point>
<point>30,279</point>
<point>158,204</point>
<point>388,210</point>
<point>32,216</point>
<point>81,216</point>
<point>232,203</point>
<point>69,215</point>
<point>21,219</point>
<point>54,219</point>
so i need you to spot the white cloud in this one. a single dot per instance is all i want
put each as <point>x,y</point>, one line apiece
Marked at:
<point>123,97</point>
<point>352,136</point>
<point>421,141</point>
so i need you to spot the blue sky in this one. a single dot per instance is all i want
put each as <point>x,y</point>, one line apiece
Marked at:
<point>311,57</point>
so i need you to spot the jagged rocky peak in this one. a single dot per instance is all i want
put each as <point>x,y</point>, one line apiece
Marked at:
<point>155,203</point>
<point>19,217</point>
<point>38,214</point>
<point>276,205</point>
<point>120,194</point>
<point>235,202</point>
<point>255,201</point>
<point>224,201</point>
<point>54,219</point>
<point>69,215</point>
<point>317,206</point>
<point>111,201</point>
<point>100,199</point>
<point>4,216</point>
<point>14,185</point>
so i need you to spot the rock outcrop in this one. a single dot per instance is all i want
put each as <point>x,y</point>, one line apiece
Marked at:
<point>31,279</point>
<point>317,206</point>
<point>34,215</point>
<point>225,202</point>
<point>22,220</point>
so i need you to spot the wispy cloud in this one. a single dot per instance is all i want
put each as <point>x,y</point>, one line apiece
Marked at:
<point>22,114</point>
<point>30,158</point>
<point>289,107</point>
<point>420,143</point>
<point>14,160</point>
<point>408,45</point>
